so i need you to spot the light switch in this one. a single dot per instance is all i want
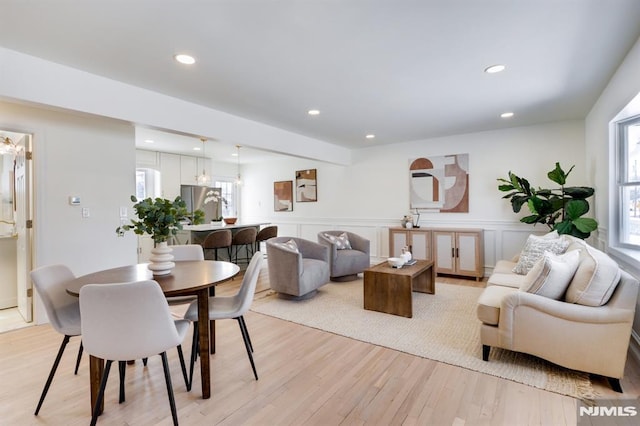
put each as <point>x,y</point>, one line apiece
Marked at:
<point>123,212</point>
<point>85,212</point>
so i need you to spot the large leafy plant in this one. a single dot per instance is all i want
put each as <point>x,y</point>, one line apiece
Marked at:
<point>560,208</point>
<point>160,218</point>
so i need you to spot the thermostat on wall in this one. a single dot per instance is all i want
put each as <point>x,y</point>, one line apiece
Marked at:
<point>74,201</point>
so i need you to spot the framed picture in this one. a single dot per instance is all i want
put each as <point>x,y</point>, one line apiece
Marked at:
<point>283,196</point>
<point>440,183</point>
<point>306,185</point>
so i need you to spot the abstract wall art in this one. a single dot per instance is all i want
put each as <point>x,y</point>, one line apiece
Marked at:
<point>440,183</point>
<point>306,185</point>
<point>283,196</point>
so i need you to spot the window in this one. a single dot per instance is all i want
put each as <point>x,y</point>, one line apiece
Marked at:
<point>628,135</point>
<point>229,197</point>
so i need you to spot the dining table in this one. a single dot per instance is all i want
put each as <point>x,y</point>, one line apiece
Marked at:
<point>186,278</point>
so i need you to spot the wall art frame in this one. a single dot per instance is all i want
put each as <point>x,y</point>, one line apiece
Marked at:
<point>306,185</point>
<point>440,183</point>
<point>283,196</point>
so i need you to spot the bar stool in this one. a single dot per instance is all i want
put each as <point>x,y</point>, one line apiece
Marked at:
<point>264,234</point>
<point>218,240</point>
<point>246,238</point>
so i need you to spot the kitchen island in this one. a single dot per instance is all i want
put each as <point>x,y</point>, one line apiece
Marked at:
<point>196,234</point>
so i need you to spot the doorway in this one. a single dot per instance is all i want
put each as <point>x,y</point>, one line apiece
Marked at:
<point>16,233</point>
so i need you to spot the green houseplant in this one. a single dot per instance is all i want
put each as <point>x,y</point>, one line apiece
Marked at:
<point>160,218</point>
<point>560,208</point>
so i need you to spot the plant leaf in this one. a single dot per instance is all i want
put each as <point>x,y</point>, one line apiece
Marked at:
<point>576,208</point>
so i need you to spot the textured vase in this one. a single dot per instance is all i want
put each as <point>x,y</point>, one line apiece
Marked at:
<point>161,259</point>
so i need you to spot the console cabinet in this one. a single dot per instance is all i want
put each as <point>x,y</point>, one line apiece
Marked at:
<point>454,251</point>
<point>459,252</point>
<point>417,239</point>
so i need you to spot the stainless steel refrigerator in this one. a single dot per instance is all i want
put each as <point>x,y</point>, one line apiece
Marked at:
<point>195,197</point>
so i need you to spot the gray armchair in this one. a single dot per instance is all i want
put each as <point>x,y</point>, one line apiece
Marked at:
<point>346,264</point>
<point>297,272</point>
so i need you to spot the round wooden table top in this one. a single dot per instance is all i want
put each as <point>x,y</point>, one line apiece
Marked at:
<point>186,278</point>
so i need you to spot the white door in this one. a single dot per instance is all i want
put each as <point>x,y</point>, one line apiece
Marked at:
<point>22,209</point>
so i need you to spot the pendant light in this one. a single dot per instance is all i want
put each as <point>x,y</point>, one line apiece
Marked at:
<point>204,179</point>
<point>7,146</point>
<point>238,179</point>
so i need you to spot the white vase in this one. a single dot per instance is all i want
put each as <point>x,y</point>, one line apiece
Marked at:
<point>161,259</point>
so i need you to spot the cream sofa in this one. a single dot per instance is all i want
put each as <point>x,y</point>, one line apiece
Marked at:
<point>587,329</point>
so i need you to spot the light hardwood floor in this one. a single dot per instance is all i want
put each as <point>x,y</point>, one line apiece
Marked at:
<point>307,377</point>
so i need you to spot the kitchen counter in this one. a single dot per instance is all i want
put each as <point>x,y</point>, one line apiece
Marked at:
<point>214,227</point>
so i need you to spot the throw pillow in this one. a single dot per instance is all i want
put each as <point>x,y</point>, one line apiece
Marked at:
<point>551,275</point>
<point>595,280</point>
<point>533,250</point>
<point>341,241</point>
<point>291,245</point>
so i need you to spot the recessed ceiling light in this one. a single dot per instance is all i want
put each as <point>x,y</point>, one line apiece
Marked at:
<point>185,59</point>
<point>148,141</point>
<point>235,154</point>
<point>197,148</point>
<point>313,112</point>
<point>494,69</point>
<point>506,115</point>
<point>370,136</point>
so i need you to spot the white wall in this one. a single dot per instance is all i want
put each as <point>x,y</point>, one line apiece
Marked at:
<point>623,87</point>
<point>85,156</point>
<point>373,193</point>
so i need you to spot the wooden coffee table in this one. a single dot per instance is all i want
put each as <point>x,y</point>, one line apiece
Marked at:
<point>389,290</point>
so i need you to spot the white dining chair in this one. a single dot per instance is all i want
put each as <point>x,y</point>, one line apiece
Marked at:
<point>62,309</point>
<point>182,253</point>
<point>229,307</point>
<point>127,321</point>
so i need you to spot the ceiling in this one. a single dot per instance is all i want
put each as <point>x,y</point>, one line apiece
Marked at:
<point>400,69</point>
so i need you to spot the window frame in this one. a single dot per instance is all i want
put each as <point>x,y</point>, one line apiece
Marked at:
<point>623,182</point>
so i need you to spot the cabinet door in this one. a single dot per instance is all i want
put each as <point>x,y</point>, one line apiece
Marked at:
<point>188,170</point>
<point>421,244</point>
<point>467,253</point>
<point>170,175</point>
<point>444,247</point>
<point>397,240</point>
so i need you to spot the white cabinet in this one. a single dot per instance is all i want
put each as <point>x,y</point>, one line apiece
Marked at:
<point>188,170</point>
<point>459,252</point>
<point>170,175</point>
<point>417,239</point>
<point>146,159</point>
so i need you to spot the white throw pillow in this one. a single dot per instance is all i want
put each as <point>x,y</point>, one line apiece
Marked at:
<point>551,275</point>
<point>533,250</point>
<point>595,280</point>
<point>291,245</point>
<point>341,241</point>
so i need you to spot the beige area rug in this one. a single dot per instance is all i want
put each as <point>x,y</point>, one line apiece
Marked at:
<point>444,328</point>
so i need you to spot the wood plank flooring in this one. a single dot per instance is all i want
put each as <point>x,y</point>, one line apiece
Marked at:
<point>307,377</point>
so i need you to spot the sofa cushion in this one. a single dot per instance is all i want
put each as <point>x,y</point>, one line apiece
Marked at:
<point>506,280</point>
<point>488,309</point>
<point>551,275</point>
<point>341,241</point>
<point>595,279</point>
<point>534,249</point>
<point>504,267</point>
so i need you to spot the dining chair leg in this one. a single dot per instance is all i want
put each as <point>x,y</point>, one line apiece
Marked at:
<point>63,345</point>
<point>183,367</point>
<point>79,357</point>
<point>167,378</point>
<point>245,337</point>
<point>195,347</point>
<point>244,324</point>
<point>144,361</point>
<point>100,397</point>
<point>122,368</point>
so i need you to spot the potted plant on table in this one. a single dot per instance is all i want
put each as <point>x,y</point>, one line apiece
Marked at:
<point>560,209</point>
<point>162,219</point>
